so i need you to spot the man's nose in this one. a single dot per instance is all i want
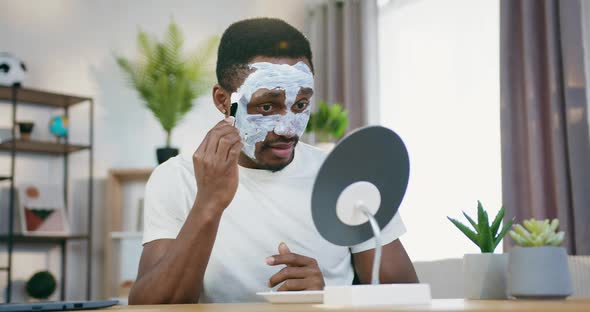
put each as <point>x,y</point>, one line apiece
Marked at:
<point>286,129</point>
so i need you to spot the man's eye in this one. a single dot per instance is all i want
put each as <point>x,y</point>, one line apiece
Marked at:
<point>266,108</point>
<point>301,106</point>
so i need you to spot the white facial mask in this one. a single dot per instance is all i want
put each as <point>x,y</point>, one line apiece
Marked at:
<point>255,127</point>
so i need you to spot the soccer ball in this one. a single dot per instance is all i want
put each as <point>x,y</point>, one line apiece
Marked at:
<point>12,70</point>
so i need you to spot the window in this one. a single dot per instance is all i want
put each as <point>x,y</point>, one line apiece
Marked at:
<point>440,90</point>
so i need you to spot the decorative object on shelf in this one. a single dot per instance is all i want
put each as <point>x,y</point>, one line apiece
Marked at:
<point>25,128</point>
<point>169,81</point>
<point>41,285</point>
<point>12,70</point>
<point>42,210</point>
<point>485,273</point>
<point>58,126</point>
<point>539,267</point>
<point>328,124</point>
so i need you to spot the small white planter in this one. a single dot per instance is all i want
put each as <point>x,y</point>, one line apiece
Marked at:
<point>539,273</point>
<point>326,146</point>
<point>485,275</point>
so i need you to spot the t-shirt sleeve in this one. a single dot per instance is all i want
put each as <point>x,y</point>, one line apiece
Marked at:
<point>392,231</point>
<point>164,211</point>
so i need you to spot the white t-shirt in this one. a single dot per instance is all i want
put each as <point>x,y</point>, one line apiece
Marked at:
<point>268,208</point>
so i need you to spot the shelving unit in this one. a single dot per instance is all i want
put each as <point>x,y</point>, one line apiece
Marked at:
<point>42,147</point>
<point>42,239</point>
<point>115,231</point>
<point>26,96</point>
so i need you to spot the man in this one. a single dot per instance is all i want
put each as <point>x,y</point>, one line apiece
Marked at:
<point>216,240</point>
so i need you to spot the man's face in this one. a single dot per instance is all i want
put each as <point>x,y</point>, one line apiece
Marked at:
<point>274,109</point>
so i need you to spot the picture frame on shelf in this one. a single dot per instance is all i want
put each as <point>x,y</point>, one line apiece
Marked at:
<point>42,210</point>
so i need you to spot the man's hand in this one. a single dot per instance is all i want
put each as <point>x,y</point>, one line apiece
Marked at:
<point>216,166</point>
<point>301,273</point>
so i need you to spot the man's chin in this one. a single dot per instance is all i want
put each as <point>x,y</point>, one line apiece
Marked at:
<point>275,165</point>
<point>274,168</point>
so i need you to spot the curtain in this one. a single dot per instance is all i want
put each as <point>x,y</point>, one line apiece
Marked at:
<point>343,35</point>
<point>544,128</point>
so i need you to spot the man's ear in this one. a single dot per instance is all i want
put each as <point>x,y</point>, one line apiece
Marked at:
<point>222,99</point>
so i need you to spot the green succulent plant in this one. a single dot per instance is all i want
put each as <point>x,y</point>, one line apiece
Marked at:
<point>485,236</point>
<point>537,233</point>
<point>329,122</point>
<point>166,79</point>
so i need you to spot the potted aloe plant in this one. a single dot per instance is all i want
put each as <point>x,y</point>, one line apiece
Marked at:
<point>538,268</point>
<point>167,80</point>
<point>328,124</point>
<point>485,273</point>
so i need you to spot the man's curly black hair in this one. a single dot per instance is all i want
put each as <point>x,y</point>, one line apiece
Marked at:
<point>244,40</point>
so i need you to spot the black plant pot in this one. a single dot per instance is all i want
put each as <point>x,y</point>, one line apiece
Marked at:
<point>25,128</point>
<point>164,153</point>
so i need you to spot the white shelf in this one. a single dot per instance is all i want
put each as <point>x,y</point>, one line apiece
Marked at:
<point>126,235</point>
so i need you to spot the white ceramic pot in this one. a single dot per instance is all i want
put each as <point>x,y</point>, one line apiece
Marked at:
<point>326,146</point>
<point>539,273</point>
<point>485,275</point>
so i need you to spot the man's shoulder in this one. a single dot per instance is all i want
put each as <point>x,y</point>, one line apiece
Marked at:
<point>173,168</point>
<point>312,152</point>
<point>308,160</point>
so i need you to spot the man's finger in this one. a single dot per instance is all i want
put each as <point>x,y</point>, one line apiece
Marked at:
<point>203,146</point>
<point>234,152</point>
<point>293,285</point>
<point>228,120</point>
<point>283,249</point>
<point>289,273</point>
<point>226,142</point>
<point>215,136</point>
<point>220,129</point>
<point>290,259</point>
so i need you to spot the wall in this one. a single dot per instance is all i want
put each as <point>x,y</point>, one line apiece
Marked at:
<point>586,35</point>
<point>68,46</point>
<point>440,89</point>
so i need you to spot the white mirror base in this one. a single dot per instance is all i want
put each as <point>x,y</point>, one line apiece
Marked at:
<point>371,295</point>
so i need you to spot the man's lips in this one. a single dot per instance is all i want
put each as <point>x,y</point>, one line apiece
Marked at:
<point>282,150</point>
<point>282,145</point>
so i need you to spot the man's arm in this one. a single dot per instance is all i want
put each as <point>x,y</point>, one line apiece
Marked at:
<point>396,266</point>
<point>172,270</point>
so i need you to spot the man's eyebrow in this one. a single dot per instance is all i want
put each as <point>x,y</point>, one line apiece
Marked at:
<point>305,91</point>
<point>271,94</point>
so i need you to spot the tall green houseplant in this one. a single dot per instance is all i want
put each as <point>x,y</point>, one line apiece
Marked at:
<point>168,80</point>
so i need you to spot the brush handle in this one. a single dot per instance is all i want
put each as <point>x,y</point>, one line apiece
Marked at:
<point>233,109</point>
